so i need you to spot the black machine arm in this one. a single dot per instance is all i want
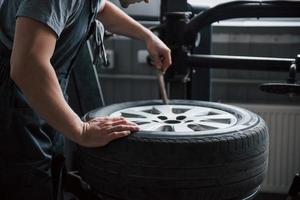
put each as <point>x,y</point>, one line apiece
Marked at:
<point>240,62</point>
<point>241,9</point>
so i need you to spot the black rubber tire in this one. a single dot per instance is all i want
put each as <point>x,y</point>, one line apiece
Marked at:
<point>225,164</point>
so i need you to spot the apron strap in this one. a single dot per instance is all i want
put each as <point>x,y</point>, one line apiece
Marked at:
<point>5,54</point>
<point>94,4</point>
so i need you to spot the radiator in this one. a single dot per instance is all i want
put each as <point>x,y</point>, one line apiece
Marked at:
<point>284,152</point>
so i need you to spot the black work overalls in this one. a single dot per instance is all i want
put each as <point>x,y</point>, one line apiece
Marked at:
<point>27,142</point>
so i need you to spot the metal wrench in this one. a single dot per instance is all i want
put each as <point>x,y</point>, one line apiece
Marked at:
<point>162,87</point>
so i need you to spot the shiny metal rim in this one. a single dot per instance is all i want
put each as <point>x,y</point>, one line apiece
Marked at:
<point>177,118</point>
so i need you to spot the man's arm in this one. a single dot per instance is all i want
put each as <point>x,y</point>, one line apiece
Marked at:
<point>31,70</point>
<point>116,21</point>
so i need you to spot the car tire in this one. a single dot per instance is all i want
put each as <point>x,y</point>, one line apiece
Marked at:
<point>226,163</point>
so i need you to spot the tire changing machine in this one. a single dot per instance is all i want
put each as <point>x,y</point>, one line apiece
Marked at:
<point>184,34</point>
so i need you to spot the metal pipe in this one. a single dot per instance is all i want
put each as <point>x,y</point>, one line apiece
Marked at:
<point>240,62</point>
<point>240,9</point>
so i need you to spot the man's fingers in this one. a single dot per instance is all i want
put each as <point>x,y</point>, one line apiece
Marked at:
<point>162,61</point>
<point>120,122</point>
<point>156,59</point>
<point>167,61</point>
<point>115,118</point>
<point>107,119</point>
<point>119,134</point>
<point>123,128</point>
<point>107,123</point>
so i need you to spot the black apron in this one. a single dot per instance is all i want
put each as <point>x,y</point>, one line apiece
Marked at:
<point>27,143</point>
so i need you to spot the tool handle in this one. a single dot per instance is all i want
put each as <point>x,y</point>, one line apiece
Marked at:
<point>162,87</point>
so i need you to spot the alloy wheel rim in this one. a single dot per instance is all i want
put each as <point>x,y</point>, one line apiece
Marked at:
<point>177,118</point>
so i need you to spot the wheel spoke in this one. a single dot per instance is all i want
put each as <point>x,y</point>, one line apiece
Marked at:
<point>182,128</point>
<point>213,124</point>
<point>137,114</point>
<point>151,127</point>
<point>138,119</point>
<point>165,110</point>
<point>144,120</point>
<point>196,112</point>
<point>212,117</point>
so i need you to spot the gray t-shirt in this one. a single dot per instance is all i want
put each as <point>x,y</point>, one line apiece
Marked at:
<point>67,18</point>
<point>31,139</point>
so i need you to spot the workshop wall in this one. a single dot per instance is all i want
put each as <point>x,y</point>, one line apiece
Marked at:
<point>267,41</point>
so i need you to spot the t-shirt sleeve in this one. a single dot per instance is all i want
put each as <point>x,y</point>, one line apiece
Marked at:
<point>53,13</point>
<point>102,4</point>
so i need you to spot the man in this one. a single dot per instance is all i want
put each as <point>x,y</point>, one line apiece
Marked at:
<point>44,37</point>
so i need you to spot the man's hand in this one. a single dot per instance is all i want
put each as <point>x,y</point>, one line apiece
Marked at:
<point>126,3</point>
<point>100,131</point>
<point>116,21</point>
<point>159,53</point>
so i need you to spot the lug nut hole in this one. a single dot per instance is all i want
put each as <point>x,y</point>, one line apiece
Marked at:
<point>181,117</point>
<point>162,117</point>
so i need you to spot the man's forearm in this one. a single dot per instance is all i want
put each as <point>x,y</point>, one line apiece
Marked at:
<point>116,21</point>
<point>32,71</point>
<point>41,88</point>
